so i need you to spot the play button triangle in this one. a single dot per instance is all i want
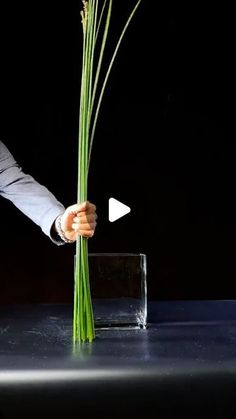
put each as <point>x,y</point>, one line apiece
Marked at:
<point>117,209</point>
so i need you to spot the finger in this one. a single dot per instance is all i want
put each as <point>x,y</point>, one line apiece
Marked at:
<point>87,233</point>
<point>74,209</point>
<point>90,218</point>
<point>85,213</point>
<point>86,207</point>
<point>76,220</point>
<point>84,227</point>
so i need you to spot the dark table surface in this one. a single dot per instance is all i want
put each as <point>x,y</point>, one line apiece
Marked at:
<point>184,362</point>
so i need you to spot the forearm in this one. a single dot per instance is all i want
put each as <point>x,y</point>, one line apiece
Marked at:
<point>40,205</point>
<point>29,196</point>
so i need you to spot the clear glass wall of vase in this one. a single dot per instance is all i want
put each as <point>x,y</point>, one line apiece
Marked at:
<point>118,284</point>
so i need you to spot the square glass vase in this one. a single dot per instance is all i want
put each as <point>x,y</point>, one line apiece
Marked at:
<point>118,284</point>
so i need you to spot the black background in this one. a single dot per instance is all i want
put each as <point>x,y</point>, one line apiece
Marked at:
<point>165,145</point>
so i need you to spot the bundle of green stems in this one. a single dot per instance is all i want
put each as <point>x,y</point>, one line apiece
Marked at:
<point>96,17</point>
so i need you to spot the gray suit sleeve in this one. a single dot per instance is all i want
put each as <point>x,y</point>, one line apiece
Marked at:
<point>29,196</point>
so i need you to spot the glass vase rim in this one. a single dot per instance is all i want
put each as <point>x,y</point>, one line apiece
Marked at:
<point>116,254</point>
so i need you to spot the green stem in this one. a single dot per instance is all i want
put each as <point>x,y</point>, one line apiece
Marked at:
<point>107,76</point>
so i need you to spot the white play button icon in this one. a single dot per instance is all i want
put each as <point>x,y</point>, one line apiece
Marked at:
<point>117,209</point>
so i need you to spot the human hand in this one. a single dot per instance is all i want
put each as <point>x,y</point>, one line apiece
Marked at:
<point>79,220</point>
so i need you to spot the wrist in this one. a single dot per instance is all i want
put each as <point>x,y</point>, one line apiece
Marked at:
<point>60,231</point>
